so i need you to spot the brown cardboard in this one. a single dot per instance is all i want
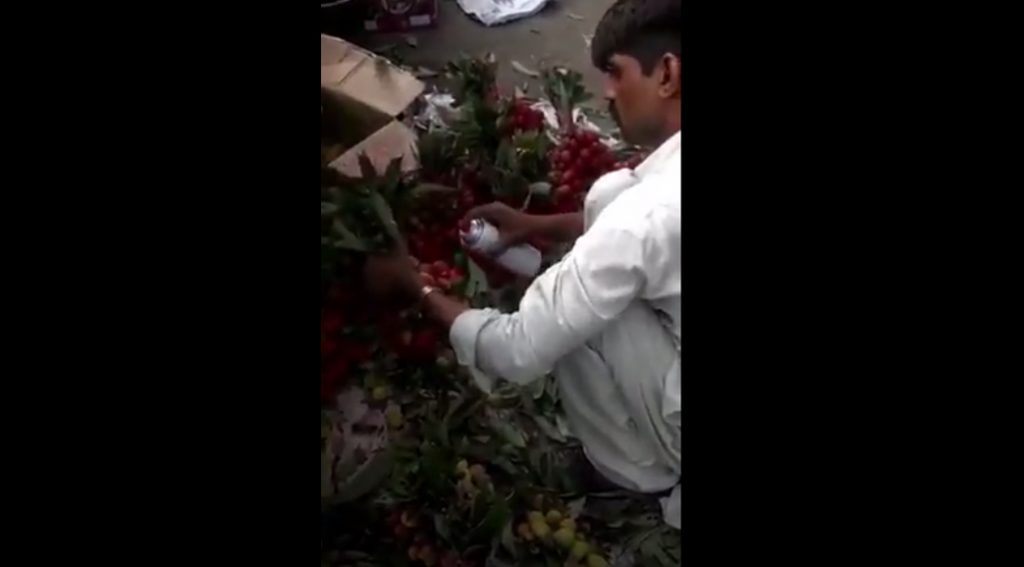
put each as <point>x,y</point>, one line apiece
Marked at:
<point>366,93</point>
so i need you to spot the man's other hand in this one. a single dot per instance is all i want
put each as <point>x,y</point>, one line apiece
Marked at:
<point>395,275</point>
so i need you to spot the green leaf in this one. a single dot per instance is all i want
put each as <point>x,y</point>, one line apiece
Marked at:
<point>507,431</point>
<point>393,173</point>
<point>380,206</point>
<point>651,551</point>
<point>363,481</point>
<point>541,188</point>
<point>327,209</point>
<point>506,465</point>
<point>455,419</point>
<point>366,167</point>
<point>429,189</point>
<point>497,516</point>
<point>326,478</point>
<point>441,527</point>
<point>575,507</point>
<point>548,428</point>
<point>535,455</point>
<point>436,469</point>
<point>477,281</point>
<point>508,540</point>
<point>348,240</point>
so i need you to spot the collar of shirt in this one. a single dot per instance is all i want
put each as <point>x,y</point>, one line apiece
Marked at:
<point>660,157</point>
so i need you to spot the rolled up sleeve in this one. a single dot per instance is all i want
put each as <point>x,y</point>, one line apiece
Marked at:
<point>566,305</point>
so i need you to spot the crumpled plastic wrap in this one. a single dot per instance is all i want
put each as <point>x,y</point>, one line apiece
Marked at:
<point>438,111</point>
<point>497,12</point>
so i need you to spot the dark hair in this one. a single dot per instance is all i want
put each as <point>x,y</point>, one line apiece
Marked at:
<point>643,29</point>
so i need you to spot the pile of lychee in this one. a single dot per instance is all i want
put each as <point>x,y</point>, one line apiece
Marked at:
<point>521,118</point>
<point>578,160</point>
<point>556,530</point>
<point>439,274</point>
<point>473,480</point>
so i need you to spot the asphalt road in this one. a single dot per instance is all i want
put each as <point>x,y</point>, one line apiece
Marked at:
<point>556,36</point>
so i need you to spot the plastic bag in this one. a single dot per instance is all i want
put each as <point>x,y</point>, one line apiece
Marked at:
<point>496,12</point>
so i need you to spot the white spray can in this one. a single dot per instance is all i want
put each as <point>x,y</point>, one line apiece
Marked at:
<point>482,237</point>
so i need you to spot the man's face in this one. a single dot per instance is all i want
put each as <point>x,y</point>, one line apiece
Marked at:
<point>636,101</point>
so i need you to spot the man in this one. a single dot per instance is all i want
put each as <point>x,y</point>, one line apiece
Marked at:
<point>605,320</point>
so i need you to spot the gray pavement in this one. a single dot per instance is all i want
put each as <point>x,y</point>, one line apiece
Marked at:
<point>554,36</point>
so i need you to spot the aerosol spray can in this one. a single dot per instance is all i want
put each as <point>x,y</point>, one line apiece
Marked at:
<point>482,237</point>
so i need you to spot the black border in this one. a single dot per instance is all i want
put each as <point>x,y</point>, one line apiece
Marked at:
<point>173,295</point>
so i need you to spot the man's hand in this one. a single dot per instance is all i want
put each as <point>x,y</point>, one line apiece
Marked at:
<point>392,275</point>
<point>514,227</point>
<point>398,275</point>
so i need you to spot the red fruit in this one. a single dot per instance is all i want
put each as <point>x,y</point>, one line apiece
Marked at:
<point>401,532</point>
<point>327,347</point>
<point>358,352</point>
<point>330,323</point>
<point>566,156</point>
<point>586,154</point>
<point>423,344</point>
<point>562,192</point>
<point>568,176</point>
<point>332,377</point>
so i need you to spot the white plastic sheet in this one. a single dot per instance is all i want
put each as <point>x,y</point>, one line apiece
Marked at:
<point>496,12</point>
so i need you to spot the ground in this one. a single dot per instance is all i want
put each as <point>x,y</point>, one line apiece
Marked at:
<point>557,35</point>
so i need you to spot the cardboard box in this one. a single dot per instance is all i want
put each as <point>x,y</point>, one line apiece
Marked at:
<point>363,97</point>
<point>400,15</point>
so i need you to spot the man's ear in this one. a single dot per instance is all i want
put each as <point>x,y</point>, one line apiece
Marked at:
<point>670,82</point>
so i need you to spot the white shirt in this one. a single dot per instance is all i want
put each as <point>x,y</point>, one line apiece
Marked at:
<point>629,254</point>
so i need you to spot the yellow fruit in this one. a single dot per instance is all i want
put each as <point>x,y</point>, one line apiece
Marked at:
<point>568,523</point>
<point>380,393</point>
<point>565,537</point>
<point>394,416</point>
<point>462,467</point>
<point>535,517</point>
<point>467,485</point>
<point>596,561</point>
<point>554,517</point>
<point>540,529</point>
<point>478,472</point>
<point>580,549</point>
<point>427,555</point>
<point>409,520</point>
<point>524,532</point>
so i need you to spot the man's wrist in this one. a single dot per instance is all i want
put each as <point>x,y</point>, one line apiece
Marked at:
<point>414,286</point>
<point>426,290</point>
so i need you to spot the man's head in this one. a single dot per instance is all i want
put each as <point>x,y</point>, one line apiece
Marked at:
<point>637,45</point>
